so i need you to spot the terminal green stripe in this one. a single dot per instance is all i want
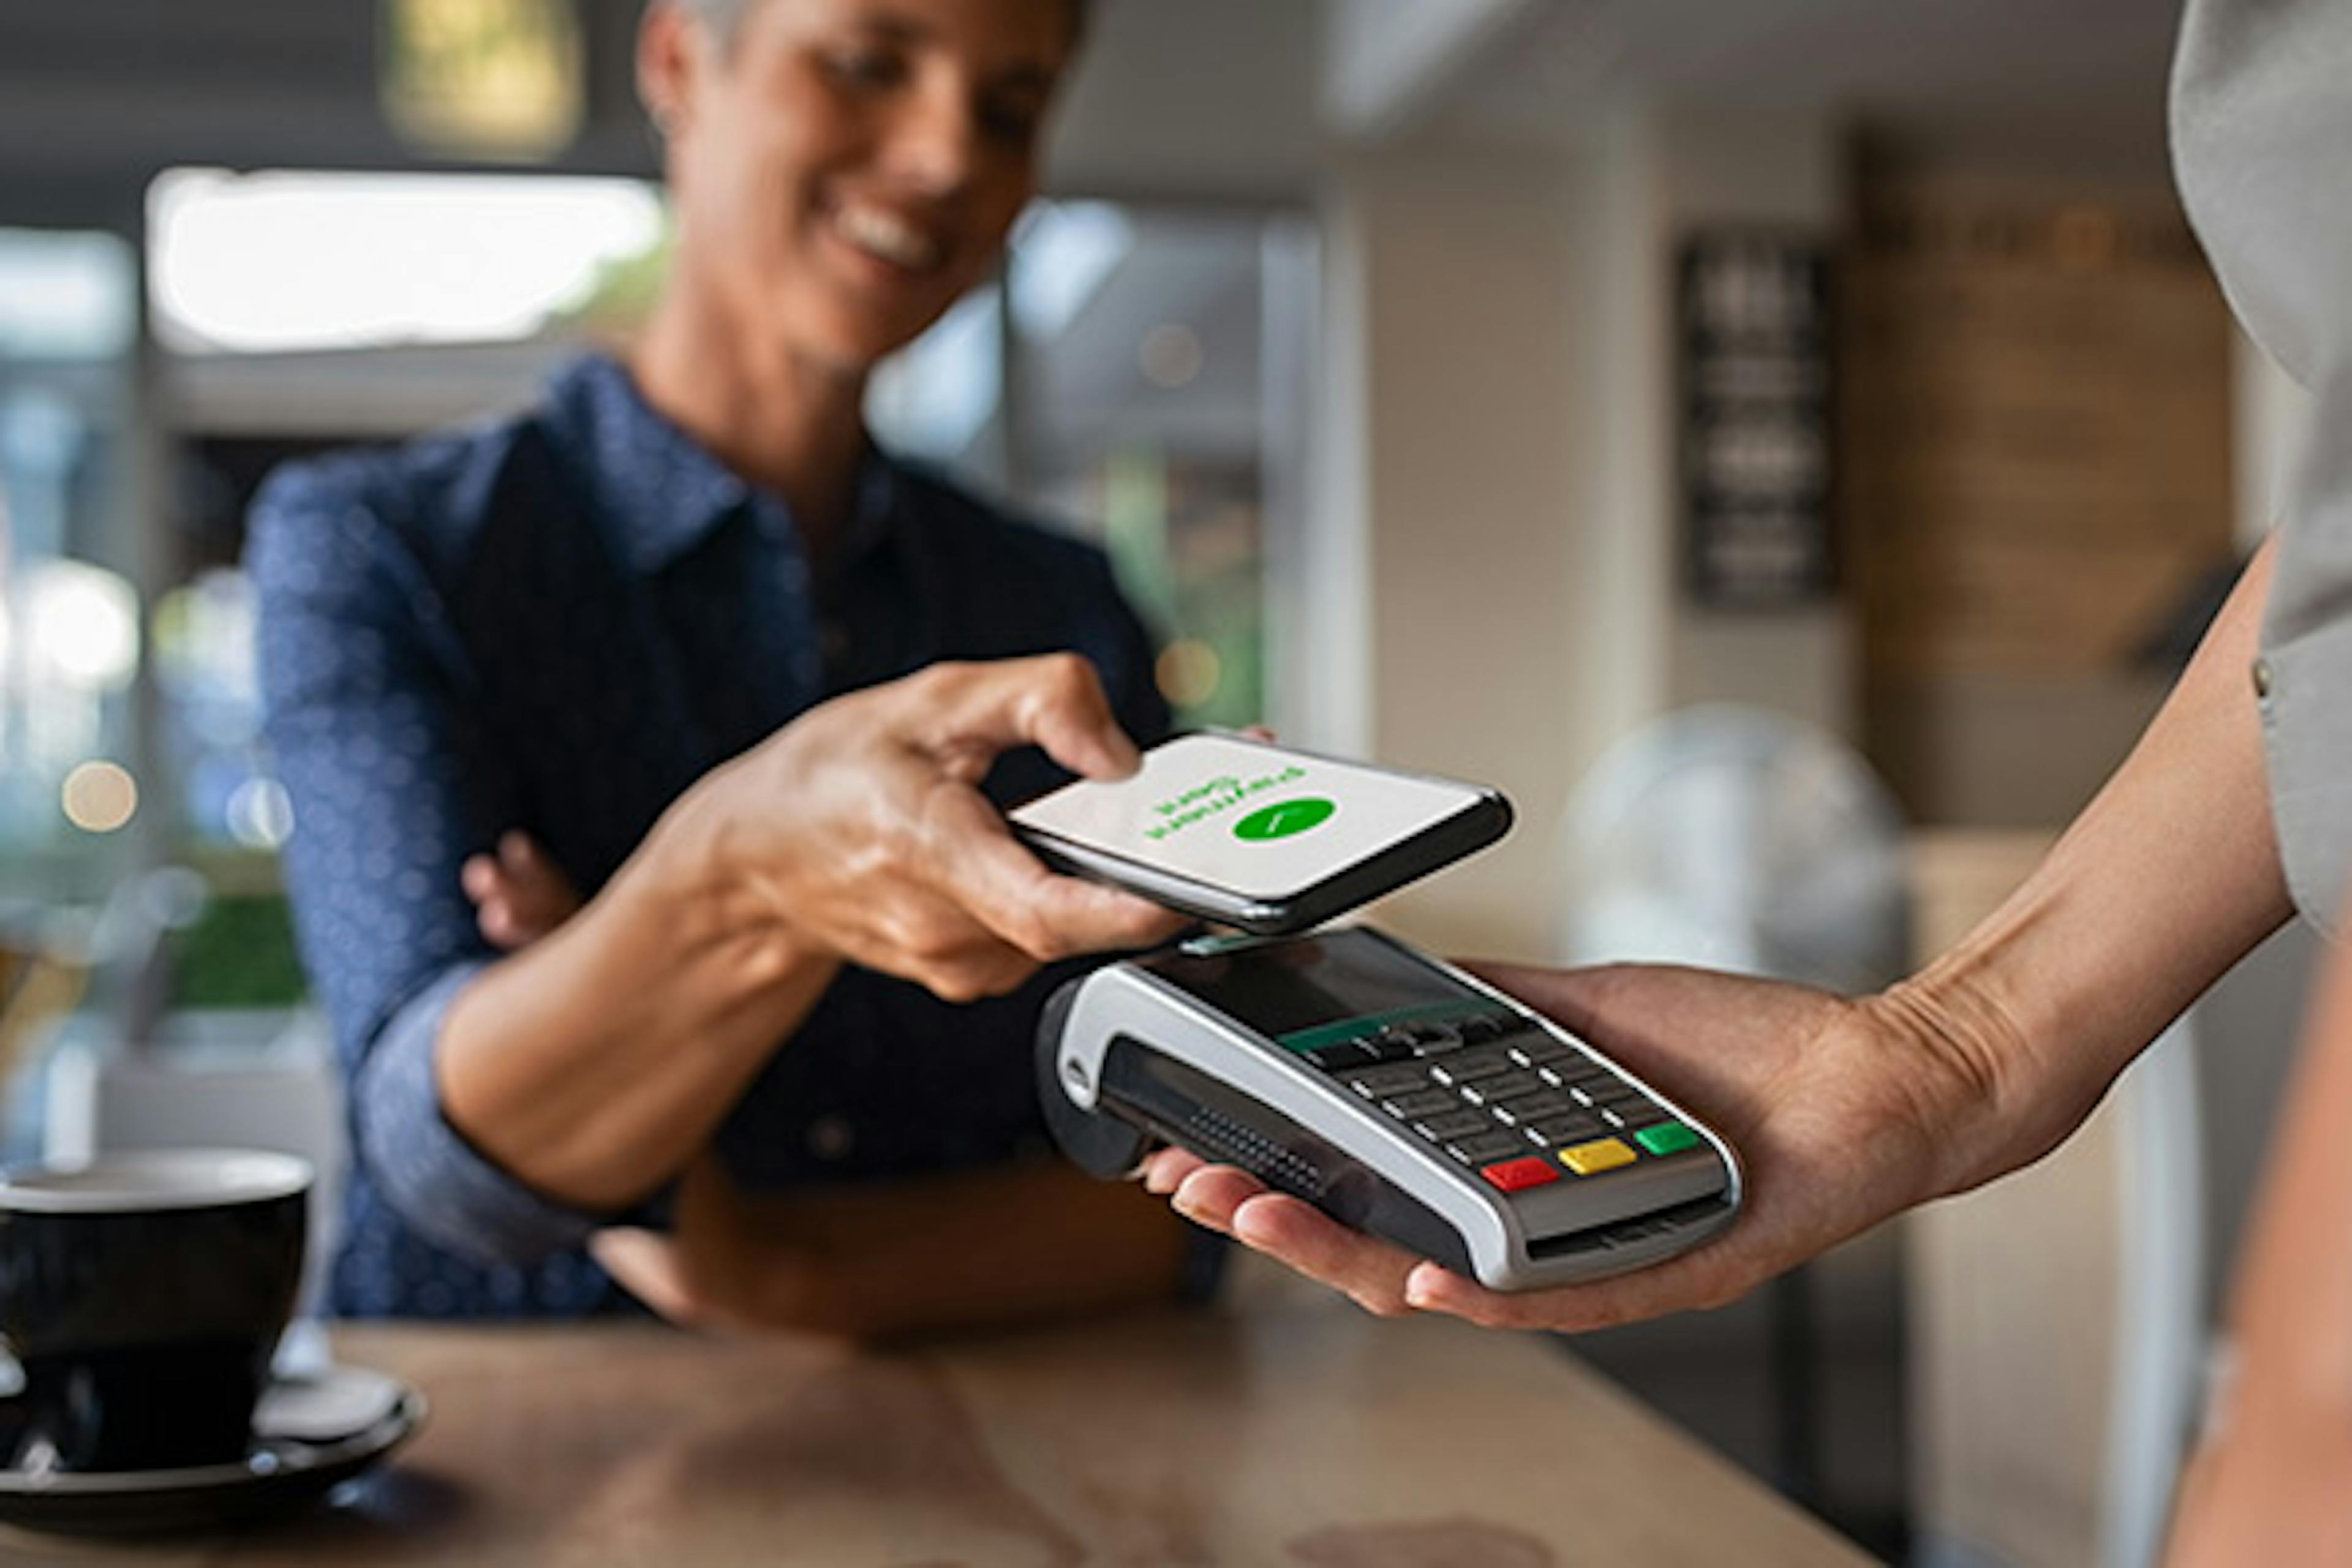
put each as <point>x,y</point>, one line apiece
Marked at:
<point>1348,1028</point>
<point>1670,1138</point>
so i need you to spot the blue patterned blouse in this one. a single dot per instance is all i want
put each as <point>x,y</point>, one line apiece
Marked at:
<point>557,623</point>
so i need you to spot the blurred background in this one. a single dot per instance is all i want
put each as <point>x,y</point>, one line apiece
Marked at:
<point>1787,445</point>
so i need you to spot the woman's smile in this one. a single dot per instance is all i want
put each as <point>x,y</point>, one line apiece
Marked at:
<point>900,243</point>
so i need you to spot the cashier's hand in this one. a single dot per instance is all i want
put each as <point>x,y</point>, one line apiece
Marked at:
<point>859,831</point>
<point>1835,1105</point>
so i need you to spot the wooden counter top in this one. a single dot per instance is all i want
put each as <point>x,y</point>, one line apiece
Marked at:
<point>1312,1437</point>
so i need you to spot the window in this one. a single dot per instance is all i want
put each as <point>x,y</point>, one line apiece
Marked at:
<point>70,632</point>
<point>284,262</point>
<point>1137,377</point>
<point>298,313</point>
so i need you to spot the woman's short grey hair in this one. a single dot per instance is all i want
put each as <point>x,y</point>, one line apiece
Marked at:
<point>721,16</point>
<point>724,17</point>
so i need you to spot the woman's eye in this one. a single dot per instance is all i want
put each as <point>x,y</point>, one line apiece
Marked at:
<point>1013,124</point>
<point>866,67</point>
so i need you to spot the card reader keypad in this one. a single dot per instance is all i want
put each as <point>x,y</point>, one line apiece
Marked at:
<point>1518,1105</point>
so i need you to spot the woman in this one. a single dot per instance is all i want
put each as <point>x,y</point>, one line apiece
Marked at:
<point>679,639</point>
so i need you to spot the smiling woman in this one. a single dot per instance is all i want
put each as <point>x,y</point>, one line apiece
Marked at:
<point>637,745</point>
<point>841,172</point>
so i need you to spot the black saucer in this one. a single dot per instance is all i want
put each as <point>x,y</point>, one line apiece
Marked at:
<point>310,1435</point>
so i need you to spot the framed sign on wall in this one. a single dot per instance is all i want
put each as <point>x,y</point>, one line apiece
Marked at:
<point>1752,323</point>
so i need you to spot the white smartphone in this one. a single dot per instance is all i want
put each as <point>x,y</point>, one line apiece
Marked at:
<point>1257,836</point>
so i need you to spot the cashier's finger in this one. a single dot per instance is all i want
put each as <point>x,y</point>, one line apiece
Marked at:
<point>1368,1269</point>
<point>1165,1169</point>
<point>1210,1194</point>
<point>1694,1280</point>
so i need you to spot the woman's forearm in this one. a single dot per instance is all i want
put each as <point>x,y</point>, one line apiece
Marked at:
<point>885,1260</point>
<point>596,1062</point>
<point>1009,1245</point>
<point>593,1064</point>
<point>2169,877</point>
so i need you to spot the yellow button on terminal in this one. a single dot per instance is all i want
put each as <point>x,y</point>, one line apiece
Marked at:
<point>1600,1154</point>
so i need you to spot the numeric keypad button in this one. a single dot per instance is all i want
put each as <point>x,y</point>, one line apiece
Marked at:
<point>1469,1067</point>
<point>1535,1108</point>
<point>1481,1148</point>
<point>1379,1083</point>
<point>1452,1124</point>
<point>1508,1087</point>
<point>1570,1129</point>
<point>1419,1102</point>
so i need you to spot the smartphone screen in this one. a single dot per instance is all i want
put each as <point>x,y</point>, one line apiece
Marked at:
<point>1249,818</point>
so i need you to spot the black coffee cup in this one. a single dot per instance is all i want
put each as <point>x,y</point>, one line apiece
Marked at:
<point>142,1296</point>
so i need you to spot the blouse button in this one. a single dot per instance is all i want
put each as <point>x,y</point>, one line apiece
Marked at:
<point>831,1138</point>
<point>2262,680</point>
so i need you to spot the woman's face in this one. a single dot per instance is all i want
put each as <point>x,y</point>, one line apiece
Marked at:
<point>845,168</point>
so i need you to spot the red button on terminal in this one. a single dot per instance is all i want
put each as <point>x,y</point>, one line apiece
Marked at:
<point>1512,1175</point>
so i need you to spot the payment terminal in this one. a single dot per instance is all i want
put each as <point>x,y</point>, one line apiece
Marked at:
<point>1395,1093</point>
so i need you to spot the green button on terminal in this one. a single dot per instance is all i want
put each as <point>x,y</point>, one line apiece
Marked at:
<point>1667,1138</point>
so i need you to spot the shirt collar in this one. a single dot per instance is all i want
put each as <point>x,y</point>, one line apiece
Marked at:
<point>662,493</point>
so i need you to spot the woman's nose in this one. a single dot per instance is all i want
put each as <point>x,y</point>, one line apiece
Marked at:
<point>932,143</point>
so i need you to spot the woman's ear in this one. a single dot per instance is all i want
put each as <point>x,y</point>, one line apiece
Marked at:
<point>671,52</point>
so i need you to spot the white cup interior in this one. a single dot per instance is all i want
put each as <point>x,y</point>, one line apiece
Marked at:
<point>142,1183</point>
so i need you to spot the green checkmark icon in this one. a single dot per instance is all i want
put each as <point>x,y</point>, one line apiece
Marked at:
<point>1284,818</point>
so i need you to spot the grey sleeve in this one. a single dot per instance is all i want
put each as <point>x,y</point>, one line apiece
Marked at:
<point>437,1181</point>
<point>2305,675</point>
<point>2262,129</point>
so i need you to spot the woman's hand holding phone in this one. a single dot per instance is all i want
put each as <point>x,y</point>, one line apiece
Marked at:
<point>860,831</point>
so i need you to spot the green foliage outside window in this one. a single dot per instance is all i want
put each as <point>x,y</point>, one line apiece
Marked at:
<point>238,952</point>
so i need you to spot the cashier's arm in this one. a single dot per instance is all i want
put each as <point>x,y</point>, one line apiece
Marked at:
<point>2268,1484</point>
<point>1846,1110</point>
